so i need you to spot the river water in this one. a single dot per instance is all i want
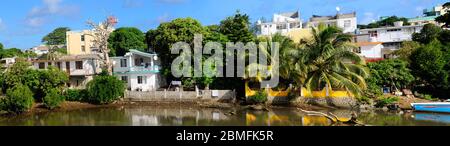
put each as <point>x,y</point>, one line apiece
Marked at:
<point>182,116</point>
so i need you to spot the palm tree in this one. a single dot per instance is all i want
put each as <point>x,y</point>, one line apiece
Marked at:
<point>285,45</point>
<point>327,60</point>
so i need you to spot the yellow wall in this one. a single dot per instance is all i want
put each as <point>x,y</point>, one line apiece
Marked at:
<point>297,34</point>
<point>316,94</point>
<point>74,42</point>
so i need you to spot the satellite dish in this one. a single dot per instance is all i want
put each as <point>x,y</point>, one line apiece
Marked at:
<point>338,9</point>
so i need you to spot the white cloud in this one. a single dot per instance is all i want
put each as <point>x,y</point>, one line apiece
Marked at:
<point>39,15</point>
<point>163,18</point>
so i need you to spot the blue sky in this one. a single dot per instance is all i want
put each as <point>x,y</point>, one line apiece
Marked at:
<point>24,22</point>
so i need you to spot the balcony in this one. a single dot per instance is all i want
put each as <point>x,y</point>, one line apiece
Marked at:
<point>143,69</point>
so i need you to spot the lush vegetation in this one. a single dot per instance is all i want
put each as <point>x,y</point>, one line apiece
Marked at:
<point>39,82</point>
<point>105,89</point>
<point>18,99</point>
<point>80,95</point>
<point>123,39</point>
<point>56,37</point>
<point>384,101</point>
<point>389,21</point>
<point>259,97</point>
<point>53,98</point>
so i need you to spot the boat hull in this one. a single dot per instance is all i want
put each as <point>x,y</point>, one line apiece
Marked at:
<point>432,107</point>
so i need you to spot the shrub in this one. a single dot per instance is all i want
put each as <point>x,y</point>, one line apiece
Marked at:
<point>364,100</point>
<point>259,97</point>
<point>76,95</point>
<point>53,99</point>
<point>386,101</point>
<point>18,99</point>
<point>105,89</point>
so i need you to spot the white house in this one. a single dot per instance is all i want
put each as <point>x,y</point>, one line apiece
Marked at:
<point>7,62</point>
<point>347,22</point>
<point>281,23</point>
<point>80,68</point>
<point>391,37</point>
<point>40,50</point>
<point>138,69</point>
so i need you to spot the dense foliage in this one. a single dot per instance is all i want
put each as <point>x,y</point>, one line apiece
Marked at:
<point>105,89</point>
<point>123,39</point>
<point>259,97</point>
<point>56,37</point>
<point>39,81</point>
<point>53,99</point>
<point>18,99</point>
<point>391,72</point>
<point>385,22</point>
<point>76,95</point>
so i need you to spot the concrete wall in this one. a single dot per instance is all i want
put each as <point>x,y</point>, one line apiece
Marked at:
<point>223,96</point>
<point>74,42</point>
<point>372,51</point>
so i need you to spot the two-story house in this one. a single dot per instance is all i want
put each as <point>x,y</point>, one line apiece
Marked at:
<point>385,40</point>
<point>80,68</point>
<point>138,69</point>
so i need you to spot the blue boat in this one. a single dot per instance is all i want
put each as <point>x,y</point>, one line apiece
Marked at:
<point>438,107</point>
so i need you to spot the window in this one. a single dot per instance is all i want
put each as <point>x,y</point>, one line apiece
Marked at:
<point>140,79</point>
<point>265,26</point>
<point>58,64</point>
<point>393,30</point>
<point>373,33</point>
<point>68,67</point>
<point>49,64</point>
<point>83,48</point>
<point>79,64</point>
<point>123,62</point>
<point>347,23</point>
<point>82,38</point>
<point>41,65</point>
<point>124,79</point>
<point>281,26</point>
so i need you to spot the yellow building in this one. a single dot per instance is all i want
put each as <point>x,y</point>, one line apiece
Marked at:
<point>80,42</point>
<point>297,34</point>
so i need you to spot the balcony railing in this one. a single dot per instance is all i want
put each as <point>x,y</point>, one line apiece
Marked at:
<point>154,68</point>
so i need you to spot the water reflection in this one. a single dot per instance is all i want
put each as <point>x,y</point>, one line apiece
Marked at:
<point>445,118</point>
<point>182,116</point>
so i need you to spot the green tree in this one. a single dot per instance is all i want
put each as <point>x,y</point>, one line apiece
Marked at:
<point>428,33</point>
<point>328,61</point>
<point>169,33</point>
<point>18,99</point>
<point>53,98</point>
<point>12,52</point>
<point>105,89</point>
<point>56,37</point>
<point>385,22</point>
<point>391,72</point>
<point>237,28</point>
<point>429,64</point>
<point>408,47</point>
<point>39,81</point>
<point>123,39</point>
